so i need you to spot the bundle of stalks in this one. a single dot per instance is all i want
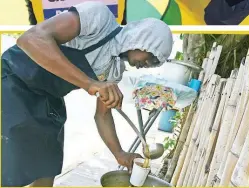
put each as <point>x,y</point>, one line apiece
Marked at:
<point>179,172</point>
<point>214,99</point>
<point>182,138</point>
<point>224,174</point>
<point>240,176</point>
<point>216,148</point>
<point>223,135</point>
<point>180,144</point>
<point>236,151</point>
<point>204,137</point>
<point>195,138</point>
<point>214,131</point>
<point>213,61</point>
<point>190,145</point>
<point>183,153</point>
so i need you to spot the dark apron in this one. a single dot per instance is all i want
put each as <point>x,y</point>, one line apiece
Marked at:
<point>223,12</point>
<point>33,114</point>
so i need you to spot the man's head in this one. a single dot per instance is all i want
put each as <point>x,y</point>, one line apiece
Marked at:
<point>146,43</point>
<point>142,59</point>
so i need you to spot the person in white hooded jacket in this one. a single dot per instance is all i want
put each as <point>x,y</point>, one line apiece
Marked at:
<point>82,48</point>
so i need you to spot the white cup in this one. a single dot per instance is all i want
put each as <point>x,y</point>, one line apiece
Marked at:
<point>139,174</point>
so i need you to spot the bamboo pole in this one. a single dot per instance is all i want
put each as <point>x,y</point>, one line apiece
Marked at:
<point>213,98</point>
<point>209,62</point>
<point>183,152</point>
<point>214,133</point>
<point>206,134</point>
<point>193,146</point>
<point>183,136</point>
<point>179,147</point>
<point>222,138</point>
<point>234,153</point>
<point>222,173</point>
<point>244,96</point>
<point>193,151</point>
<point>178,170</point>
<point>214,59</point>
<point>214,120</point>
<point>240,176</point>
<point>196,130</point>
<point>196,139</point>
<point>204,64</point>
<point>200,103</point>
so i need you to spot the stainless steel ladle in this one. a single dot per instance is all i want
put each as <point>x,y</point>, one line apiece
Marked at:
<point>152,151</point>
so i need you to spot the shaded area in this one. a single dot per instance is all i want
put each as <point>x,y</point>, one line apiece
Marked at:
<point>196,48</point>
<point>226,12</point>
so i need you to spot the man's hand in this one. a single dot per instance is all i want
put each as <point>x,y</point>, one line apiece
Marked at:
<point>109,93</point>
<point>126,159</point>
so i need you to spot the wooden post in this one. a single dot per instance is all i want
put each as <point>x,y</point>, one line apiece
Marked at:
<point>197,126</point>
<point>213,59</point>
<point>195,139</point>
<point>209,62</point>
<point>183,153</point>
<point>222,138</point>
<point>214,134</point>
<point>240,176</point>
<point>222,173</point>
<point>178,170</point>
<point>182,138</point>
<point>216,151</point>
<point>234,153</point>
<point>206,134</point>
<point>180,144</point>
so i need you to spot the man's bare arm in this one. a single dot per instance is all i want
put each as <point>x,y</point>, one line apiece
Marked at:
<point>106,128</point>
<point>41,44</point>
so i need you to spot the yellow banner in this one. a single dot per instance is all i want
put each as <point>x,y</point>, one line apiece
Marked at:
<point>172,12</point>
<point>190,12</point>
<point>43,9</point>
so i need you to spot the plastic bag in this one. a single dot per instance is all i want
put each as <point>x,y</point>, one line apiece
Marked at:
<point>151,92</point>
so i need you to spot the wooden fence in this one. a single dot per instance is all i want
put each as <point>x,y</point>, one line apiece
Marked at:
<point>213,148</point>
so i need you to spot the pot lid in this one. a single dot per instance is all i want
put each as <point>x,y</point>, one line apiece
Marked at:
<point>193,66</point>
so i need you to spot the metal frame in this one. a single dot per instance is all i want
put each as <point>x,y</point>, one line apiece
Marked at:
<point>144,128</point>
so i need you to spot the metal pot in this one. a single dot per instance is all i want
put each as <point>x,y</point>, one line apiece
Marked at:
<point>121,178</point>
<point>179,71</point>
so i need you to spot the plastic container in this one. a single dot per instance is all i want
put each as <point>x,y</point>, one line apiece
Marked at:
<point>164,122</point>
<point>139,174</point>
<point>195,84</point>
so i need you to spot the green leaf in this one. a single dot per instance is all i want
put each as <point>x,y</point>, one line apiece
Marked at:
<point>166,139</point>
<point>181,36</point>
<point>166,146</point>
